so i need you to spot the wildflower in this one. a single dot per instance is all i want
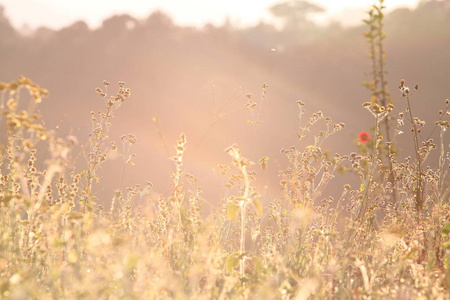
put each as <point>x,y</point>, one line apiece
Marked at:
<point>364,137</point>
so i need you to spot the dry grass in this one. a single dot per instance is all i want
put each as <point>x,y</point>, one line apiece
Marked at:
<point>57,242</point>
<point>386,237</point>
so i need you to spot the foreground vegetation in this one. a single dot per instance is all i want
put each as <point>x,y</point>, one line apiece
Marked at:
<point>57,242</point>
<point>385,238</point>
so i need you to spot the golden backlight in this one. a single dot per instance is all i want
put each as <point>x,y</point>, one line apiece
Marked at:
<point>57,14</point>
<point>224,149</point>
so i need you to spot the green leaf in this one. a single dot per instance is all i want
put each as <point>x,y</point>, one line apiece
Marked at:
<point>75,215</point>
<point>263,162</point>
<point>258,265</point>
<point>232,211</point>
<point>132,262</point>
<point>8,198</point>
<point>446,230</point>
<point>232,262</point>
<point>446,245</point>
<point>259,207</point>
<point>362,187</point>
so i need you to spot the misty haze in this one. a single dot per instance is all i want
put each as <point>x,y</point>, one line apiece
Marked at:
<point>256,143</point>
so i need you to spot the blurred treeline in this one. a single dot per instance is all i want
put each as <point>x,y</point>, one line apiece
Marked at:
<point>196,79</point>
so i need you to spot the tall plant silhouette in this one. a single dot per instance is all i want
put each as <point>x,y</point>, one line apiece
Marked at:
<point>377,83</point>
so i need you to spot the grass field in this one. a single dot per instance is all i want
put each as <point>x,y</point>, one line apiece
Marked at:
<point>385,238</point>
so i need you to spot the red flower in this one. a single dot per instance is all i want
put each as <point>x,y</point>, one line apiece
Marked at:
<point>364,137</point>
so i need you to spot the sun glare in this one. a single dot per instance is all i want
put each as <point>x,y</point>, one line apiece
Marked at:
<point>55,13</point>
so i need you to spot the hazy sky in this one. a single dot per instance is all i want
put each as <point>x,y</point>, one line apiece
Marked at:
<point>59,13</point>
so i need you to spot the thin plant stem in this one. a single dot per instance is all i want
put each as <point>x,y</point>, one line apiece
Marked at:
<point>419,189</point>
